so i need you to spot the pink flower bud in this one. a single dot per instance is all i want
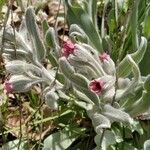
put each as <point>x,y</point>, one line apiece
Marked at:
<point>104,57</point>
<point>107,64</point>
<point>8,86</point>
<point>97,86</point>
<point>68,48</point>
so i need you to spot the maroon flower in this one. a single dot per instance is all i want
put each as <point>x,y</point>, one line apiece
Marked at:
<point>8,86</point>
<point>68,48</point>
<point>104,57</point>
<point>97,86</point>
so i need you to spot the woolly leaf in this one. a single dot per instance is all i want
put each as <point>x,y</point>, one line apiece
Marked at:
<point>116,114</point>
<point>39,50</point>
<point>100,122</point>
<point>147,83</point>
<point>60,140</point>
<point>147,23</point>
<point>52,41</point>
<point>66,68</point>
<point>23,83</point>
<point>77,33</point>
<point>21,67</point>
<point>51,100</point>
<point>124,68</point>
<point>140,106</point>
<point>109,139</point>
<point>147,145</point>
<point>77,15</point>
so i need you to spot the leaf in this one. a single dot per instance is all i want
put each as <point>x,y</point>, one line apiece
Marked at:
<point>80,80</point>
<point>146,28</point>
<point>60,140</point>
<point>147,83</point>
<point>45,26</point>
<point>145,62</point>
<point>92,10</point>
<point>13,145</point>
<point>22,83</point>
<point>132,84</point>
<point>134,25</point>
<point>124,68</point>
<point>76,33</point>
<point>51,99</point>
<point>147,145</point>
<point>109,139</point>
<point>52,60</point>
<point>39,50</point>
<point>19,40</point>
<point>21,67</point>
<point>2,2</point>
<point>116,114</point>
<point>77,15</point>
<point>140,106</point>
<point>99,121</point>
<point>52,41</point>
<point>65,67</point>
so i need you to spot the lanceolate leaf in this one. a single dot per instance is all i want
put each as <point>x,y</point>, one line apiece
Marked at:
<point>77,15</point>
<point>78,34</point>
<point>21,67</point>
<point>147,83</point>
<point>60,140</point>
<point>147,23</point>
<point>142,105</point>
<point>39,48</point>
<point>92,10</point>
<point>147,145</point>
<point>115,114</point>
<point>124,68</point>
<point>52,41</point>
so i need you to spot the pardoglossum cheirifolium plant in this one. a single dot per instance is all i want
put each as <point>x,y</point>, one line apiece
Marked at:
<point>99,67</point>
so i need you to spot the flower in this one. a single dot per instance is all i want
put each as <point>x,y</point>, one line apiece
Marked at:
<point>97,86</point>
<point>68,48</point>
<point>8,86</point>
<point>104,57</point>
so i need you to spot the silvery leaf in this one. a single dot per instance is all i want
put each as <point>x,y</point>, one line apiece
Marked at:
<point>116,114</point>
<point>23,83</point>
<point>51,99</point>
<point>21,67</point>
<point>39,50</point>
<point>52,41</point>
<point>124,68</point>
<point>76,33</point>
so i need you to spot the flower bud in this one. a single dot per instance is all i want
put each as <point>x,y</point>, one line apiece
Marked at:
<point>20,83</point>
<point>107,64</point>
<point>104,57</point>
<point>68,48</point>
<point>8,86</point>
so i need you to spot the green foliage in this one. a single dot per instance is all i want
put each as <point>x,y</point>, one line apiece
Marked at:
<point>76,14</point>
<point>62,139</point>
<point>115,109</point>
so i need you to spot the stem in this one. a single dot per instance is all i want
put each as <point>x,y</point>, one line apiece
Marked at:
<point>39,122</point>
